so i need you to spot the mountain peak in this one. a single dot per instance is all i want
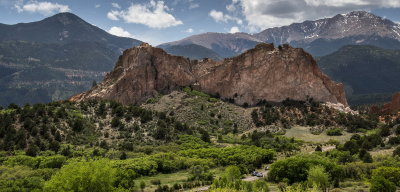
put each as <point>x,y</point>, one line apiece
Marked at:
<point>65,18</point>
<point>359,14</point>
<point>351,28</point>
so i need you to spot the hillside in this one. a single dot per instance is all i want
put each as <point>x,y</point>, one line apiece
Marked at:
<point>54,58</point>
<point>63,28</point>
<point>356,65</point>
<point>162,142</point>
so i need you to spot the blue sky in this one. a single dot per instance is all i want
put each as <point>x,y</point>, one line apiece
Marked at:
<point>157,21</point>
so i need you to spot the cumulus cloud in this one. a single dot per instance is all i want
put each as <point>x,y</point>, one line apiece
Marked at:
<point>190,30</point>
<point>219,16</point>
<point>234,29</point>
<point>44,8</point>
<point>113,15</point>
<point>97,6</point>
<point>232,7</point>
<point>261,14</point>
<point>116,5</point>
<point>118,31</point>
<point>153,14</point>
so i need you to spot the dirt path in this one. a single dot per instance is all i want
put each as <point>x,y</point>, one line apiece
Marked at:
<point>328,148</point>
<point>204,188</point>
<point>253,178</point>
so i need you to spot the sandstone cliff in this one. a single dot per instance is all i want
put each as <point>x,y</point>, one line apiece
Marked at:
<point>393,107</point>
<point>262,73</point>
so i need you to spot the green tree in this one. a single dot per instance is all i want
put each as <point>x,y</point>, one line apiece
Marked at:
<point>83,176</point>
<point>232,173</point>
<point>295,169</point>
<point>380,184</point>
<point>317,176</point>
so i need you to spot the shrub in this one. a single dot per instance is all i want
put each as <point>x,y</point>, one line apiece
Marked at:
<point>83,176</point>
<point>392,174</point>
<point>334,132</point>
<point>380,184</point>
<point>317,176</point>
<point>295,169</point>
<point>52,161</point>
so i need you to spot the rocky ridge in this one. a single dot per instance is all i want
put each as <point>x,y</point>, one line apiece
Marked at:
<point>263,73</point>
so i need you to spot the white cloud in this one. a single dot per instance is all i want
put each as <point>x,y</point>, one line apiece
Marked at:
<point>154,15</point>
<point>234,29</point>
<point>190,30</point>
<point>118,31</point>
<point>219,16</point>
<point>116,5</point>
<point>97,6</point>
<point>232,7</point>
<point>262,14</point>
<point>44,8</point>
<point>113,15</point>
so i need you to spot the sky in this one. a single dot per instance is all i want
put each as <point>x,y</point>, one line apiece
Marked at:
<point>160,21</point>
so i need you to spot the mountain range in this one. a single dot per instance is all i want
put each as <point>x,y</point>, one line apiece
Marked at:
<point>62,55</point>
<point>320,37</point>
<point>54,58</point>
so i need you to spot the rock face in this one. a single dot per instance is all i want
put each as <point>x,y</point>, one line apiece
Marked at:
<point>389,108</point>
<point>262,73</point>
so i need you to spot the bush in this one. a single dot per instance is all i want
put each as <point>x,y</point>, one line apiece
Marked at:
<point>295,169</point>
<point>334,132</point>
<point>318,177</point>
<point>380,184</point>
<point>83,176</point>
<point>392,174</point>
<point>155,182</point>
<point>249,156</point>
<point>52,162</point>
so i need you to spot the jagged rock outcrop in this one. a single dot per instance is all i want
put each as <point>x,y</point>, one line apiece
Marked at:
<point>392,107</point>
<point>262,73</point>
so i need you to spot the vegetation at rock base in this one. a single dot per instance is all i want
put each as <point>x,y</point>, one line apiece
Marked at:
<point>106,146</point>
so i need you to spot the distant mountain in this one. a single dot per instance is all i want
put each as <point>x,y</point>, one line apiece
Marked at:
<point>367,72</point>
<point>320,37</point>
<point>224,44</point>
<point>192,51</point>
<point>63,28</point>
<point>324,36</point>
<point>54,58</point>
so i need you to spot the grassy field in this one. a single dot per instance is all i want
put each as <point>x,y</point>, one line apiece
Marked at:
<point>170,179</point>
<point>303,133</point>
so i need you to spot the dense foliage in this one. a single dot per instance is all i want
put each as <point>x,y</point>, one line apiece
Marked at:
<point>309,113</point>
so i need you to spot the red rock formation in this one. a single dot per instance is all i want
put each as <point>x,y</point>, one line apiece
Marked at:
<point>262,73</point>
<point>393,106</point>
